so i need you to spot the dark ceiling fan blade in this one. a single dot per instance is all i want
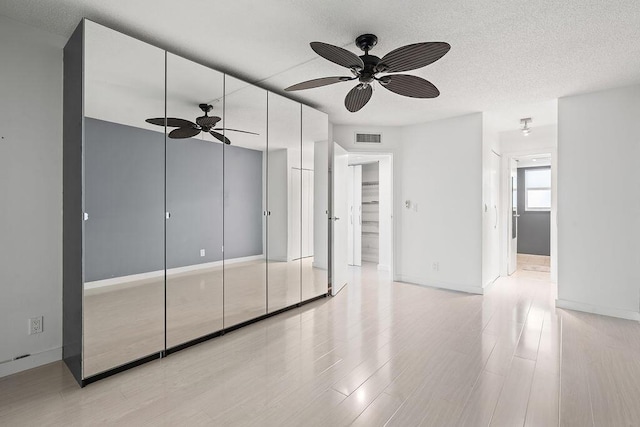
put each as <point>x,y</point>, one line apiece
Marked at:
<point>324,81</point>
<point>208,120</point>
<point>171,122</point>
<point>413,56</point>
<point>220,137</point>
<point>358,97</point>
<point>237,130</point>
<point>337,55</point>
<point>407,85</point>
<point>186,132</point>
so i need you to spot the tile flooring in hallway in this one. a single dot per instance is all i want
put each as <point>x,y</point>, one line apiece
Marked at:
<point>378,353</point>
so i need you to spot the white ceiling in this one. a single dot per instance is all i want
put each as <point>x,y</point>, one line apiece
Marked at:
<point>504,52</point>
<point>541,114</point>
<point>534,161</point>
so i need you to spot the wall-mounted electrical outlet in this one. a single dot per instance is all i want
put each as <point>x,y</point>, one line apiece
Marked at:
<point>435,266</point>
<point>202,252</point>
<point>35,325</point>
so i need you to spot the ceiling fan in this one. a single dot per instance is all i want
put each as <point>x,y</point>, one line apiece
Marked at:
<point>188,129</point>
<point>366,68</point>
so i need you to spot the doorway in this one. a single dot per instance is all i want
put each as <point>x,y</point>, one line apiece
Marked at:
<point>370,195</point>
<point>504,132</point>
<point>531,208</point>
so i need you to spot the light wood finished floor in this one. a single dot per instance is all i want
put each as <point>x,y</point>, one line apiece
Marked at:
<point>534,263</point>
<point>378,353</point>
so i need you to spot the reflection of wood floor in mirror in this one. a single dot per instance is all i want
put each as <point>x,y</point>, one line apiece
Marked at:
<point>378,352</point>
<point>125,322</point>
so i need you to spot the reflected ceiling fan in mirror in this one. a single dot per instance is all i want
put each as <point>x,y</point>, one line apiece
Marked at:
<point>366,69</point>
<point>188,129</point>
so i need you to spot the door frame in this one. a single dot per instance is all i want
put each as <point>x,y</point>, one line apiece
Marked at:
<point>332,219</point>
<point>505,194</point>
<point>371,156</point>
<point>354,194</point>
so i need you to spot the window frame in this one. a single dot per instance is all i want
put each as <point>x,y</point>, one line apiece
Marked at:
<point>527,208</point>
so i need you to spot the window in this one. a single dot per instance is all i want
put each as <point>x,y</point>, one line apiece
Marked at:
<point>537,189</point>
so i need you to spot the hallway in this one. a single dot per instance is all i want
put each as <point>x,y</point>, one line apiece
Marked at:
<point>378,352</point>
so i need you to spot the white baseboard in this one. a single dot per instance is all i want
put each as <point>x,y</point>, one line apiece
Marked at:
<point>279,259</point>
<point>440,285</point>
<point>160,273</point>
<point>33,361</point>
<point>490,284</point>
<point>604,311</point>
<point>318,266</point>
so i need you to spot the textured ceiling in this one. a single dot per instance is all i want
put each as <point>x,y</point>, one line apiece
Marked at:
<point>542,114</point>
<point>504,52</point>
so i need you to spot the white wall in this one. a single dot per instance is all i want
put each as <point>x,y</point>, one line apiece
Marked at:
<point>438,167</point>
<point>391,138</point>
<point>440,172</point>
<point>385,213</point>
<point>31,194</point>
<point>599,202</point>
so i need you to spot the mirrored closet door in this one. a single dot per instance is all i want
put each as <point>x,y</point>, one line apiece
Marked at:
<point>123,290</point>
<point>245,186</point>
<point>194,200</point>
<point>315,199</point>
<point>284,203</point>
<point>204,202</point>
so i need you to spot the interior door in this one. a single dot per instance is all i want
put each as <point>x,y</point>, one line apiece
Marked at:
<point>513,223</point>
<point>494,233</point>
<point>356,216</point>
<point>354,234</point>
<point>339,219</point>
<point>350,232</point>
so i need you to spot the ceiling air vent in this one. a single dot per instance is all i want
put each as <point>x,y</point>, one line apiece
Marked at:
<point>368,138</point>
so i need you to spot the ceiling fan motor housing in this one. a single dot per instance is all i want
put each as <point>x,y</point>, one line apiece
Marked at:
<point>366,41</point>
<point>205,107</point>
<point>370,68</point>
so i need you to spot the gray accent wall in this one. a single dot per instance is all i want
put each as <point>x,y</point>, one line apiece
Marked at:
<point>194,199</point>
<point>125,200</point>
<point>243,218</point>
<point>534,227</point>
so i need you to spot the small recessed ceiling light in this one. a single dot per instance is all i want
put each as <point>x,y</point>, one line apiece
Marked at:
<point>534,160</point>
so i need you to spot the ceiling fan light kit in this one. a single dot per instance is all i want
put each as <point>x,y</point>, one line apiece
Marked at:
<point>365,69</point>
